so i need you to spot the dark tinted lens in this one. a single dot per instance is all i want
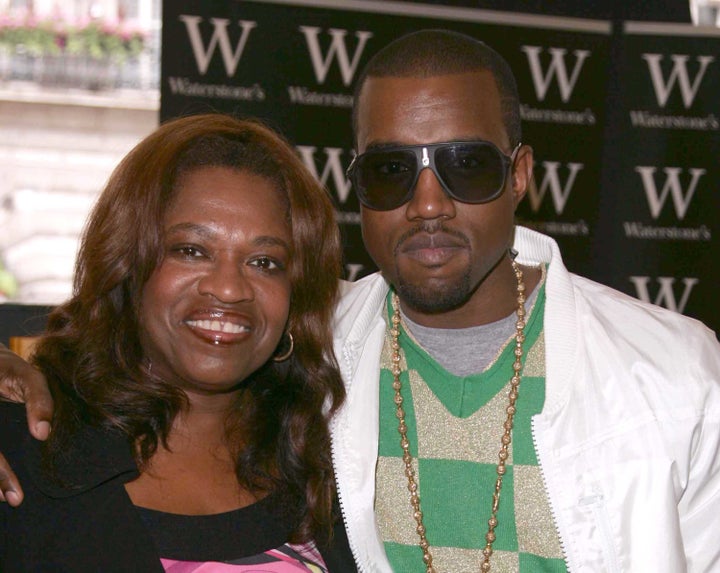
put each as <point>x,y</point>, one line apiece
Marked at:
<point>384,179</point>
<point>475,172</point>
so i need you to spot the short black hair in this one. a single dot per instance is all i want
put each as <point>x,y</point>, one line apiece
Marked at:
<point>428,53</point>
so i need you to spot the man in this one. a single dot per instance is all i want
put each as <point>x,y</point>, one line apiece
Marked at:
<point>547,422</point>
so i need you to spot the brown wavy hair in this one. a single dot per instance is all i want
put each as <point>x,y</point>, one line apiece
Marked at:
<point>92,355</point>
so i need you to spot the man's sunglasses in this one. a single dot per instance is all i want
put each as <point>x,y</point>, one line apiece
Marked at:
<point>469,171</point>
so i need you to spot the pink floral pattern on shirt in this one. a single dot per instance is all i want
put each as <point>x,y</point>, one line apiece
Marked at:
<point>286,559</point>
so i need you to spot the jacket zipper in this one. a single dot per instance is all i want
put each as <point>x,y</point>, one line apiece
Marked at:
<point>341,503</point>
<point>547,495</point>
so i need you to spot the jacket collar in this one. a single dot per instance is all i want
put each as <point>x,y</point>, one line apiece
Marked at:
<point>359,316</point>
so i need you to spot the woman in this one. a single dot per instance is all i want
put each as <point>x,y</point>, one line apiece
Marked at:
<point>192,369</point>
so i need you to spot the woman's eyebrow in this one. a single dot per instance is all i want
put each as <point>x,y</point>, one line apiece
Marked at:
<point>208,233</point>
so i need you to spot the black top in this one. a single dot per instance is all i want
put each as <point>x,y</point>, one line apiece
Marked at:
<point>87,522</point>
<point>222,536</point>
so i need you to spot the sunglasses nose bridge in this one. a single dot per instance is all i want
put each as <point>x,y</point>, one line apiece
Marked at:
<point>426,160</point>
<point>429,197</point>
<point>422,162</point>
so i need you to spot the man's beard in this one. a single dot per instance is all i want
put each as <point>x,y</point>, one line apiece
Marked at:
<point>427,299</point>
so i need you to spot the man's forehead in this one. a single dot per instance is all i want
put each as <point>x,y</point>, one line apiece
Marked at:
<point>474,79</point>
<point>414,110</point>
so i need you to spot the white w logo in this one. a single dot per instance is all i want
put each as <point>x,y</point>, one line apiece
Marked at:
<point>220,38</point>
<point>551,180</point>
<point>333,166</point>
<point>557,69</point>
<point>666,294</point>
<point>338,49</point>
<point>679,74</point>
<point>681,199</point>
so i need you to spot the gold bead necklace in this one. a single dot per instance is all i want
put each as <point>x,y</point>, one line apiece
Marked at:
<point>504,440</point>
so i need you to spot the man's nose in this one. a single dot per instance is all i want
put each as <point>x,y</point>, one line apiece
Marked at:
<point>429,199</point>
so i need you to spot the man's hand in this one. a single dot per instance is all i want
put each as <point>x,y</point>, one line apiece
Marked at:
<point>20,382</point>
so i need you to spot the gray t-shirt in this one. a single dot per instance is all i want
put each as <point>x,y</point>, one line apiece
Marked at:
<point>467,351</point>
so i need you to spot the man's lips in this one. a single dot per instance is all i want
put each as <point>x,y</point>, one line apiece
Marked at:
<point>432,249</point>
<point>431,241</point>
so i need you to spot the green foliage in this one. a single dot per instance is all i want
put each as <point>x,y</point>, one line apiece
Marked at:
<point>100,42</point>
<point>95,40</point>
<point>35,40</point>
<point>8,284</point>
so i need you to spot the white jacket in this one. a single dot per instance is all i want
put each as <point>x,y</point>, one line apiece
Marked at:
<point>628,439</point>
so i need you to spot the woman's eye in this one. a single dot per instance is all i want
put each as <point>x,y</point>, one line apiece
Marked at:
<point>267,264</point>
<point>187,251</point>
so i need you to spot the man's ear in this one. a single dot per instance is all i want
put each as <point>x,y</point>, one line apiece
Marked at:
<point>522,174</point>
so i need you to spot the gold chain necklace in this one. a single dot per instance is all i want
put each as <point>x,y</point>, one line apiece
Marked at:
<point>505,440</point>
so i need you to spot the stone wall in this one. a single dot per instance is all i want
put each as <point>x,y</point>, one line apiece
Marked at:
<point>56,152</point>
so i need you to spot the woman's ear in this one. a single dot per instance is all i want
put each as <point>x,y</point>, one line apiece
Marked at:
<point>522,173</point>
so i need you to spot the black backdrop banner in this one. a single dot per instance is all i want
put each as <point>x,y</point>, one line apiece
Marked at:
<point>658,232</point>
<point>620,183</point>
